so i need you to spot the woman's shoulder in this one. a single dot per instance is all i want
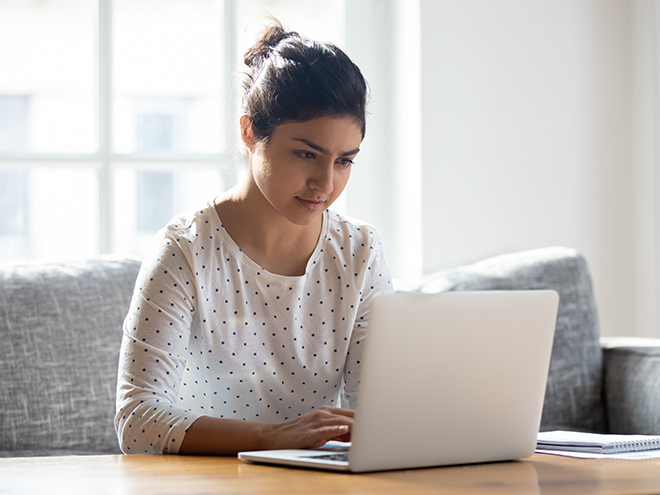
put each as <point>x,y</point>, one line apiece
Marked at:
<point>187,229</point>
<point>357,246</point>
<point>190,223</point>
<point>351,228</point>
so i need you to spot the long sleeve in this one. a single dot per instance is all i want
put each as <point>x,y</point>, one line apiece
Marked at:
<point>155,342</point>
<point>375,280</point>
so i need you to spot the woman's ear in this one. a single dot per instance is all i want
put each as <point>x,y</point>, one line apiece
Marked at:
<point>247,133</point>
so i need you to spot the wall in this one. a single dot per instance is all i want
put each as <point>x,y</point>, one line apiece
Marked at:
<point>383,38</point>
<point>536,123</point>
<point>646,18</point>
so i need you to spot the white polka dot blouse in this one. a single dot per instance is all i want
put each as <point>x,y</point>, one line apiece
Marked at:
<point>210,332</point>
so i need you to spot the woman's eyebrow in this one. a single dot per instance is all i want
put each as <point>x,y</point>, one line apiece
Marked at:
<point>323,150</point>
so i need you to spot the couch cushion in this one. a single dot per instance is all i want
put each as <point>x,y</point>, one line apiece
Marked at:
<point>60,325</point>
<point>573,398</point>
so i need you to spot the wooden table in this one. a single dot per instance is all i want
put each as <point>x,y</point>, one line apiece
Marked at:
<point>153,474</point>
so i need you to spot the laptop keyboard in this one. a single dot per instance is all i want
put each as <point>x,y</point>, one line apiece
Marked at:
<point>341,457</point>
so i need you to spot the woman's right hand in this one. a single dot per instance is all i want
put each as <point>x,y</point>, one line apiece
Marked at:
<point>311,430</point>
<point>217,436</point>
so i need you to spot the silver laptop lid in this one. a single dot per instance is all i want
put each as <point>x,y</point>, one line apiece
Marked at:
<point>453,378</point>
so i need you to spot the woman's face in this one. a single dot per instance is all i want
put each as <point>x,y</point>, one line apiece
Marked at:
<point>304,166</point>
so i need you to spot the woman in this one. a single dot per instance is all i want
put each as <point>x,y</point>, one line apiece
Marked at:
<point>247,320</point>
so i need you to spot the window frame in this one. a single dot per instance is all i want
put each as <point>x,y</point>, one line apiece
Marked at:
<point>105,160</point>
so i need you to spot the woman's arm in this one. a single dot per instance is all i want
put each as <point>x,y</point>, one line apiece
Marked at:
<point>215,436</point>
<point>154,348</point>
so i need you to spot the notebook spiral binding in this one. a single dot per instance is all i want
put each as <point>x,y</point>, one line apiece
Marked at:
<point>631,446</point>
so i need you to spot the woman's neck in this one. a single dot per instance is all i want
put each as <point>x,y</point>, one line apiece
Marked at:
<point>267,238</point>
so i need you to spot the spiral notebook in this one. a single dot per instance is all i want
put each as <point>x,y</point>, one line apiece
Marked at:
<point>596,443</point>
<point>450,378</point>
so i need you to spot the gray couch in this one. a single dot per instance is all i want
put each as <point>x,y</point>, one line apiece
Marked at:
<point>61,327</point>
<point>604,385</point>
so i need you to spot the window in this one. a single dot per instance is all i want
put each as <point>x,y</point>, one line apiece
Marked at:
<point>15,220</point>
<point>161,125</point>
<point>154,200</point>
<point>117,114</point>
<point>14,125</point>
<point>14,183</point>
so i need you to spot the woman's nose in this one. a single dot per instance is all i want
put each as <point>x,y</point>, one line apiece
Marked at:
<point>322,179</point>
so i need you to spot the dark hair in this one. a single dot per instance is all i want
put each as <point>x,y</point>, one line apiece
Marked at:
<point>291,78</point>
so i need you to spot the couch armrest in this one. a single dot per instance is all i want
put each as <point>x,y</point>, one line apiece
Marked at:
<point>631,368</point>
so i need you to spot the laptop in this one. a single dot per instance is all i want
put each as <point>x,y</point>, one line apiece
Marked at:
<point>448,378</point>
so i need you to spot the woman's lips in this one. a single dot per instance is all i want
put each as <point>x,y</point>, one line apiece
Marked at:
<point>310,204</point>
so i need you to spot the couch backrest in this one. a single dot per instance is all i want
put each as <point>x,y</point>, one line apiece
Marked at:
<point>573,398</point>
<point>60,325</point>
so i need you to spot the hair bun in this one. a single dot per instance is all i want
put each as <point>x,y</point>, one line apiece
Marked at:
<point>270,37</point>
<point>291,78</point>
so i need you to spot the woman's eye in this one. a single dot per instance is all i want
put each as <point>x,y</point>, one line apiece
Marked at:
<point>346,162</point>
<point>306,155</point>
